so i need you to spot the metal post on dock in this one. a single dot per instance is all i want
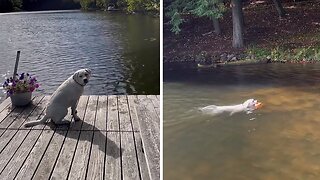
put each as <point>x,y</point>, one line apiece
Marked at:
<point>16,65</point>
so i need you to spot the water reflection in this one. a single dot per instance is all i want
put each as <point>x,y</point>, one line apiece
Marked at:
<point>115,46</point>
<point>279,141</point>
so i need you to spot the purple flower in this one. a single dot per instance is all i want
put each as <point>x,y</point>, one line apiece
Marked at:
<point>31,89</point>
<point>22,76</point>
<point>22,83</point>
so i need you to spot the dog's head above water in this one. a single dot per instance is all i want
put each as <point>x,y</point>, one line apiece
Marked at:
<point>82,76</point>
<point>252,104</point>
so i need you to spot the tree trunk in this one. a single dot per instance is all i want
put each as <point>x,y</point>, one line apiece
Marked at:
<point>279,8</point>
<point>216,25</point>
<point>237,20</point>
<point>216,22</point>
<point>241,14</point>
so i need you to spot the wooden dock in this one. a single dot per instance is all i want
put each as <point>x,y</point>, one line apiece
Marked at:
<point>118,138</point>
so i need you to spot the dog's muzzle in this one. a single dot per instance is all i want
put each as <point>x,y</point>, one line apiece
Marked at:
<point>85,81</point>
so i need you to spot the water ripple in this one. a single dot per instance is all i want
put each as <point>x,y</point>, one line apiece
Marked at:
<point>54,45</point>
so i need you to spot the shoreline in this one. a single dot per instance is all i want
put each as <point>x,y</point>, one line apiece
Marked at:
<point>193,64</point>
<point>41,12</point>
<point>151,13</point>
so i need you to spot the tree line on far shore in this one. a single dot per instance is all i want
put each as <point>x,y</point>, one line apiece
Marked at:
<point>38,5</point>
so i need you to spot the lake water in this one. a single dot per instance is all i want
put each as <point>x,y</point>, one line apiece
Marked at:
<point>123,51</point>
<point>279,141</point>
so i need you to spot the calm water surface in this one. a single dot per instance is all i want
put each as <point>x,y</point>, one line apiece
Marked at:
<point>123,51</point>
<point>279,141</point>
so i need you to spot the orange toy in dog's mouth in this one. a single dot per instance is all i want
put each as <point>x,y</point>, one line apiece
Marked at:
<point>258,105</point>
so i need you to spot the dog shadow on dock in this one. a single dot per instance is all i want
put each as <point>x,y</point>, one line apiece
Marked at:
<point>91,134</point>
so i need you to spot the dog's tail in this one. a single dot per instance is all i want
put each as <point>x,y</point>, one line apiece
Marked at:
<point>33,123</point>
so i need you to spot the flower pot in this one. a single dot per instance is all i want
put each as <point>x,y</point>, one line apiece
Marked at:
<point>21,99</point>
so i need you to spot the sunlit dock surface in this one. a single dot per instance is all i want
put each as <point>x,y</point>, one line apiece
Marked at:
<point>118,138</point>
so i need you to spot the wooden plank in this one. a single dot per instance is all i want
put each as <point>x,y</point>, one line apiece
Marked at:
<point>101,119</point>
<point>35,156</point>
<point>49,159</point>
<point>151,110</point>
<point>63,163</point>
<point>23,149</point>
<point>98,149</point>
<point>155,102</point>
<point>25,112</point>
<point>125,122</point>
<point>112,121</point>
<point>113,156</point>
<point>4,113</point>
<point>143,166</point>
<point>82,105</point>
<point>5,104</point>
<point>10,150</point>
<point>97,156</point>
<point>89,118</point>
<point>81,158</point>
<point>138,141</point>
<point>130,168</point>
<point>47,163</point>
<point>113,148</point>
<point>39,108</point>
<point>7,122</point>
<point>150,133</point>
<point>133,103</point>
<point>9,134</point>
<point>10,115</point>
<point>21,154</point>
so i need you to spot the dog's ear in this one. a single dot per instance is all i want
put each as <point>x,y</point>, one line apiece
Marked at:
<point>76,74</point>
<point>247,102</point>
<point>88,70</point>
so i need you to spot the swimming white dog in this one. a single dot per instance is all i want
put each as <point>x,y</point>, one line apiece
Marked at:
<point>248,106</point>
<point>67,95</point>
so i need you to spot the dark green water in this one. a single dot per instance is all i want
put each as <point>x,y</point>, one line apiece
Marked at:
<point>279,141</point>
<point>122,50</point>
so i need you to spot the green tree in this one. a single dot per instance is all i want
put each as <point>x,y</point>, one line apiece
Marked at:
<point>10,5</point>
<point>143,5</point>
<point>85,4</point>
<point>16,5</point>
<point>102,4</point>
<point>212,9</point>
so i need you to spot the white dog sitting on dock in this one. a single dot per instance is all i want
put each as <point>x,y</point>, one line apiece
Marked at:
<point>248,106</point>
<point>67,95</point>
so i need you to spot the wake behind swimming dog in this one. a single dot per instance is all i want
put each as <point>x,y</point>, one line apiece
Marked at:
<point>248,106</point>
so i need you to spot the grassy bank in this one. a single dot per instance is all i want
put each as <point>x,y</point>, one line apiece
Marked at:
<point>280,54</point>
